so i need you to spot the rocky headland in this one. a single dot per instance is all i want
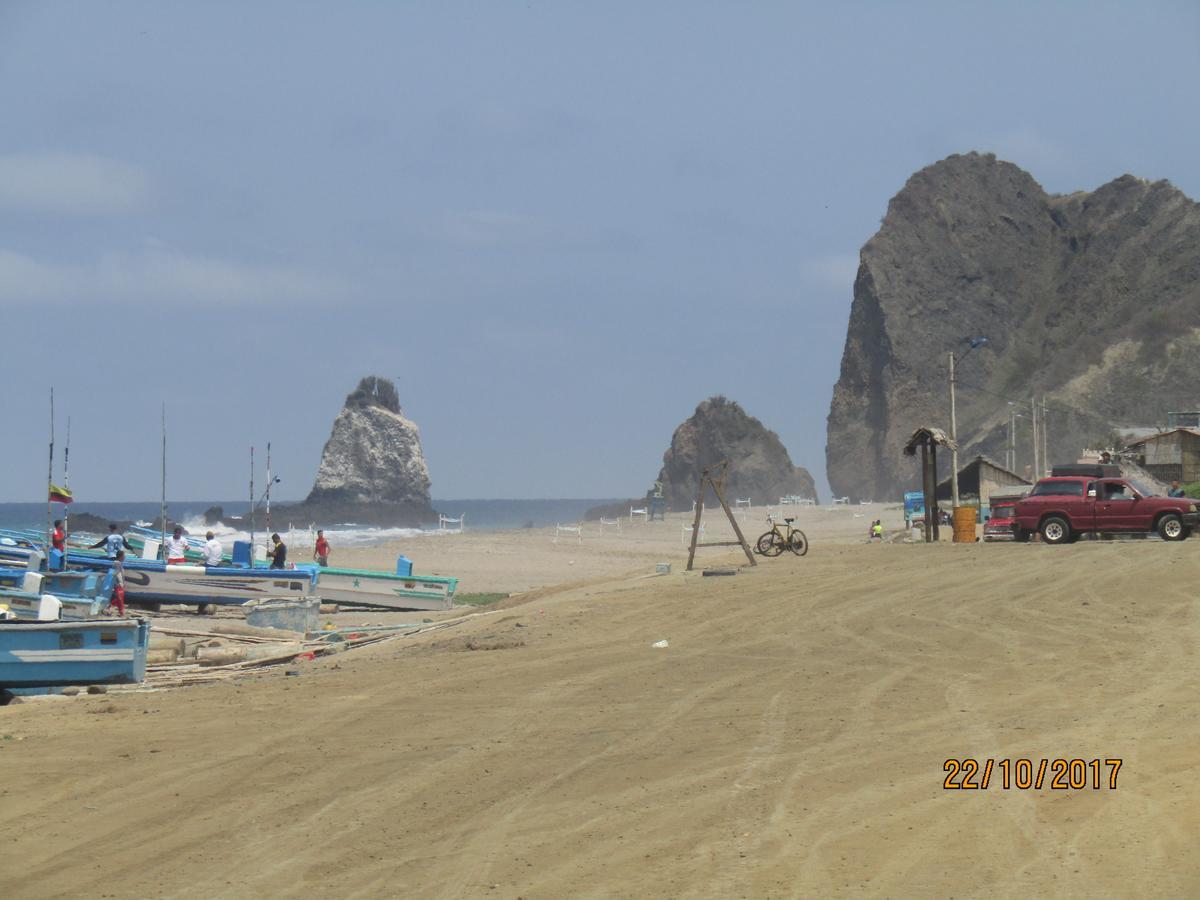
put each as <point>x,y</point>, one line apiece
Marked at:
<point>1091,299</point>
<point>760,467</point>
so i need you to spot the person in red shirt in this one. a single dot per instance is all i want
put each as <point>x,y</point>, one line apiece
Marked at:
<point>58,541</point>
<point>321,551</point>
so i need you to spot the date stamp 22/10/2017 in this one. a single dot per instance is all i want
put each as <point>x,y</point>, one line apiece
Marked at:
<point>1027,774</point>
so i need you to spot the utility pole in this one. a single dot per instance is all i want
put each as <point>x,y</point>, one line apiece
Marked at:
<point>954,441</point>
<point>1011,455</point>
<point>1036,462</point>
<point>1045,441</point>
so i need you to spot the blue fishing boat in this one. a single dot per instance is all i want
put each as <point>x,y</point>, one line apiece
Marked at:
<point>73,594</point>
<point>40,655</point>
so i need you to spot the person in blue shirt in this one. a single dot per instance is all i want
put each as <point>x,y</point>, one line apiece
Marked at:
<point>113,543</point>
<point>1176,490</point>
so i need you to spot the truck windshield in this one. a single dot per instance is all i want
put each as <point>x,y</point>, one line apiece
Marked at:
<point>1058,488</point>
<point>1143,489</point>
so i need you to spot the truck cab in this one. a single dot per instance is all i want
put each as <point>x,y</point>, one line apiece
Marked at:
<point>1063,508</point>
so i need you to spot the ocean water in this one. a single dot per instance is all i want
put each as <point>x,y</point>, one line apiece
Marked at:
<point>482,515</point>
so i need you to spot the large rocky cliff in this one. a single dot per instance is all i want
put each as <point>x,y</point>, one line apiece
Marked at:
<point>372,468</point>
<point>1091,299</point>
<point>719,429</point>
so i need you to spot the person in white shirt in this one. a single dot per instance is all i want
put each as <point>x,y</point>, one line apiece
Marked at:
<point>176,547</point>
<point>213,551</point>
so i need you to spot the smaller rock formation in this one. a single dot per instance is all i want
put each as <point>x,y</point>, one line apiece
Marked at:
<point>372,469</point>
<point>760,467</point>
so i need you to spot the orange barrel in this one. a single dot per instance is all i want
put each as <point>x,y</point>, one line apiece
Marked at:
<point>964,524</point>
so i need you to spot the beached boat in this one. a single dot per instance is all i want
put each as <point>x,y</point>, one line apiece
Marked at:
<point>153,581</point>
<point>75,594</point>
<point>38,655</point>
<point>385,590</point>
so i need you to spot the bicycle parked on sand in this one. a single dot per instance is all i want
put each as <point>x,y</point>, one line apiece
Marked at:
<point>774,542</point>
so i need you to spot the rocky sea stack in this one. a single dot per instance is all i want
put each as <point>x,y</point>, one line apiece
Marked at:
<point>1089,299</point>
<point>372,469</point>
<point>760,467</point>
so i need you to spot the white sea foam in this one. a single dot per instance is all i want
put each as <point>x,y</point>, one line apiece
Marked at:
<point>346,535</point>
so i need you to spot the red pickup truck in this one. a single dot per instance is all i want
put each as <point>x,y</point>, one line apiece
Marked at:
<point>1064,508</point>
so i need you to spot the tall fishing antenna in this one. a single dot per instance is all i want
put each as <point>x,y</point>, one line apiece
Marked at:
<point>67,477</point>
<point>268,487</point>
<point>252,506</point>
<point>50,476</point>
<point>162,508</point>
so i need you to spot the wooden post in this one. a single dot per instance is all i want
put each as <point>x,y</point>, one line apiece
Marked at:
<point>719,490</point>
<point>928,494</point>
<point>718,486</point>
<point>696,519</point>
<point>933,491</point>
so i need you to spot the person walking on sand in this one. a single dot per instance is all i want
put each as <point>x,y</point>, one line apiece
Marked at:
<point>278,552</point>
<point>118,591</point>
<point>176,547</point>
<point>113,543</point>
<point>213,551</point>
<point>321,550</point>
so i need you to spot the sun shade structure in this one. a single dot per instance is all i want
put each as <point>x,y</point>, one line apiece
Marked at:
<point>928,439</point>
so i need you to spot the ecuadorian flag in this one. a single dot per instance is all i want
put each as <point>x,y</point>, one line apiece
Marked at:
<point>60,495</point>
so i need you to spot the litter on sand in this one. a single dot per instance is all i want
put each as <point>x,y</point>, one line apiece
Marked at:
<point>659,644</point>
<point>707,572</point>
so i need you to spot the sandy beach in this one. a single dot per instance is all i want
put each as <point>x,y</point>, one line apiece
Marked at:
<point>789,741</point>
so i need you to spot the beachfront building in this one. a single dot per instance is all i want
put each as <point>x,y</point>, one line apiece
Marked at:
<point>1172,455</point>
<point>979,479</point>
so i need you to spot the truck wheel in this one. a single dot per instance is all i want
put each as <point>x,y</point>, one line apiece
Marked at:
<point>1170,528</point>
<point>1056,530</point>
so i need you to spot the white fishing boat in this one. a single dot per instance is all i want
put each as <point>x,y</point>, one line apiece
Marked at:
<point>385,590</point>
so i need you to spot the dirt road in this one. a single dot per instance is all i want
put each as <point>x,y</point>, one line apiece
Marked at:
<point>789,741</point>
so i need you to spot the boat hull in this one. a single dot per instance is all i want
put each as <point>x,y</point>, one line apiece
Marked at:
<point>54,654</point>
<point>383,590</point>
<point>148,581</point>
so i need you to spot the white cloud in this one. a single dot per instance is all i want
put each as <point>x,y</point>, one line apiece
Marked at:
<point>157,275</point>
<point>71,184</point>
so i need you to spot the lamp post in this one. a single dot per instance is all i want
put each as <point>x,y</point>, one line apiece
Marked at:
<point>974,342</point>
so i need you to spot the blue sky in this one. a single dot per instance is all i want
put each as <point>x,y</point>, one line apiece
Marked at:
<point>559,226</point>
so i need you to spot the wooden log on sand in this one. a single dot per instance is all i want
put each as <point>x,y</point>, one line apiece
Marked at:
<point>223,656</point>
<point>161,656</point>
<point>166,642</point>
<point>237,629</point>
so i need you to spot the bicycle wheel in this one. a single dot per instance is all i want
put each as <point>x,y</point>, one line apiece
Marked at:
<point>797,542</point>
<point>771,544</point>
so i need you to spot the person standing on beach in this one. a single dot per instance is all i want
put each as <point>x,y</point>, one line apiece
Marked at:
<point>118,591</point>
<point>1176,490</point>
<point>175,550</point>
<point>213,551</point>
<point>278,553</point>
<point>321,551</point>
<point>58,541</point>
<point>113,544</point>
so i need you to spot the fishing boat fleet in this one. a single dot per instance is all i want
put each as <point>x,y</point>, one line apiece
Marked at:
<point>53,594</point>
<point>52,603</point>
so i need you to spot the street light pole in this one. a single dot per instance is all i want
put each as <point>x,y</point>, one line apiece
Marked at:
<point>974,342</point>
<point>953,440</point>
